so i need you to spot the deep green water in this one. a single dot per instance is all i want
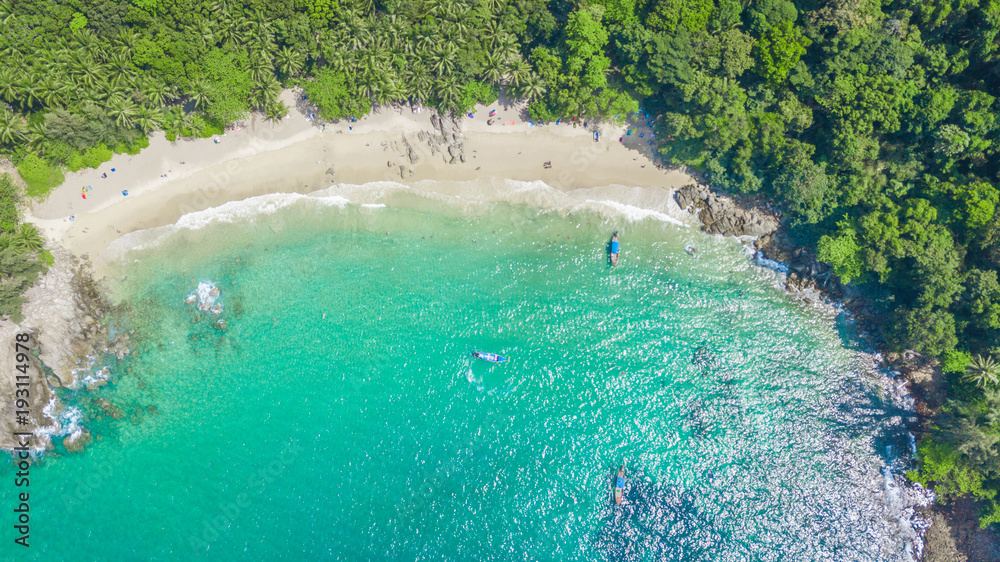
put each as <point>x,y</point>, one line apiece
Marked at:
<point>753,427</point>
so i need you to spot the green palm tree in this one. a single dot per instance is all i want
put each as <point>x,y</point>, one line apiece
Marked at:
<point>29,238</point>
<point>275,111</point>
<point>444,58</point>
<point>128,38</point>
<point>37,135</point>
<point>265,93</point>
<point>519,73</point>
<point>533,88</point>
<point>204,31</point>
<point>449,91</point>
<point>7,240</point>
<point>982,370</point>
<point>493,71</point>
<point>52,92</point>
<point>122,110</point>
<point>9,83</point>
<point>92,73</point>
<point>29,92</point>
<point>289,61</point>
<point>157,92</point>
<point>147,119</point>
<point>199,93</point>
<point>12,128</point>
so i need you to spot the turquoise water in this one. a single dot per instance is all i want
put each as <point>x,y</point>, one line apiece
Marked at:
<point>339,416</point>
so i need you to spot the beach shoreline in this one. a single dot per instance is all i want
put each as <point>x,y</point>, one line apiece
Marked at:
<point>296,155</point>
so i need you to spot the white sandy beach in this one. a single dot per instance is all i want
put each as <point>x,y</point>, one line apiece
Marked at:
<point>296,155</point>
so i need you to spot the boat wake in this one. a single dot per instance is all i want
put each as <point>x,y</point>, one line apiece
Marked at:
<point>475,381</point>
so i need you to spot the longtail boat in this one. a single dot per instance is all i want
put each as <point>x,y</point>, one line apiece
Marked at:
<point>620,485</point>
<point>491,357</point>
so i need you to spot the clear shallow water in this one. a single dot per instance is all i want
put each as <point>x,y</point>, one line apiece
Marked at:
<point>752,428</point>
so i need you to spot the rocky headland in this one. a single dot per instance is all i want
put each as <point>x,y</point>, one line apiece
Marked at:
<point>953,534</point>
<point>63,316</point>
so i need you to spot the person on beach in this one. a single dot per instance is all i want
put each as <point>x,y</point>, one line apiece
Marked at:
<point>104,175</point>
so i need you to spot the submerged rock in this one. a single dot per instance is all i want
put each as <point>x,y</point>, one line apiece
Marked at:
<point>78,441</point>
<point>109,408</point>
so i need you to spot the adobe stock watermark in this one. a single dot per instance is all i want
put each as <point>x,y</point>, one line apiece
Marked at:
<point>225,513</point>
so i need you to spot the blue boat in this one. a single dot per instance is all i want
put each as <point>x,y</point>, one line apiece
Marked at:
<point>614,250</point>
<point>491,357</point>
<point>620,485</point>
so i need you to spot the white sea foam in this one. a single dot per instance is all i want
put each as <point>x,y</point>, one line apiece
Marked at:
<point>617,201</point>
<point>65,421</point>
<point>633,213</point>
<point>206,297</point>
<point>769,263</point>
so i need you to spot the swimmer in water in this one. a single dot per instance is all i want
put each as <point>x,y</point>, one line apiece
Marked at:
<point>275,322</point>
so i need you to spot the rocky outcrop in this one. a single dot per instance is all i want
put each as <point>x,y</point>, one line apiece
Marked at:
<point>722,215</point>
<point>65,310</point>
<point>77,441</point>
<point>927,382</point>
<point>63,314</point>
<point>39,393</point>
<point>446,139</point>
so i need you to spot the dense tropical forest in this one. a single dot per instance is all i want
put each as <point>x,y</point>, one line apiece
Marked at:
<point>873,125</point>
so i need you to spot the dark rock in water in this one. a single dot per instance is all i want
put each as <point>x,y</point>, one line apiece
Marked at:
<point>77,442</point>
<point>96,384</point>
<point>220,324</point>
<point>109,408</point>
<point>152,409</point>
